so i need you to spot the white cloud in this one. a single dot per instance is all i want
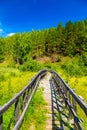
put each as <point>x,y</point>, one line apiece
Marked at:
<point>1,30</point>
<point>10,34</point>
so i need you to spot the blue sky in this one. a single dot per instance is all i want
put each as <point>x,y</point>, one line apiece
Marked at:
<point>25,15</point>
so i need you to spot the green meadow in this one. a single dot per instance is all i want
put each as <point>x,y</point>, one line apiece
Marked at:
<point>12,80</point>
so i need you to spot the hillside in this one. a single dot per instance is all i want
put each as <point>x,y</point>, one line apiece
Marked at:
<point>69,40</point>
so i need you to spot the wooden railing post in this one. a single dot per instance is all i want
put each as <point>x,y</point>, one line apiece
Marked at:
<point>75,109</point>
<point>16,113</point>
<point>74,104</point>
<point>1,121</point>
<point>28,93</point>
<point>34,84</point>
<point>69,98</point>
<point>24,100</point>
<point>60,84</point>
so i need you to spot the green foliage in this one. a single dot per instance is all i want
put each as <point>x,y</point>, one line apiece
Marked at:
<point>84,58</point>
<point>8,119</point>
<point>31,65</point>
<point>2,77</point>
<point>74,67</point>
<point>67,41</point>
<point>51,66</point>
<point>1,51</point>
<point>11,82</point>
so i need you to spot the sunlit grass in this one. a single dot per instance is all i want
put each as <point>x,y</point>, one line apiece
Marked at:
<point>79,84</point>
<point>35,118</point>
<point>12,82</point>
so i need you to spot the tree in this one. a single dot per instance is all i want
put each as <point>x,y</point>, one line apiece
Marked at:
<point>17,51</point>
<point>60,38</point>
<point>1,50</point>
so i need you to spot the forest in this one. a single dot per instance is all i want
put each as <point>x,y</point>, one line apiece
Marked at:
<point>69,40</point>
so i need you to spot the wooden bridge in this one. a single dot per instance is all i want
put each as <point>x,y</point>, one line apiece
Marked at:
<point>63,103</point>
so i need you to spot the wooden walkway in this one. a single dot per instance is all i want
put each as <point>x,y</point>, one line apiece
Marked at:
<point>55,106</point>
<point>47,96</point>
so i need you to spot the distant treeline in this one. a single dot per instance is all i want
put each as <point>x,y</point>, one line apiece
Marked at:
<point>68,40</point>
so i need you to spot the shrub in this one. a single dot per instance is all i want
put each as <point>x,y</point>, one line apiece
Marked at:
<point>72,69</point>
<point>2,77</point>
<point>31,65</point>
<point>84,58</point>
<point>51,66</point>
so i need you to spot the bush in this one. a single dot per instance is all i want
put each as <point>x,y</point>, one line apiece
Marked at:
<point>84,58</point>
<point>2,77</point>
<point>73,69</point>
<point>51,66</point>
<point>31,65</point>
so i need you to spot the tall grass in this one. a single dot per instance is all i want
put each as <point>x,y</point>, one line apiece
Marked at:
<point>11,82</point>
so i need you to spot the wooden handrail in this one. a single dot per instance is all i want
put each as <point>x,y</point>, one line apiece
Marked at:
<point>66,92</point>
<point>15,100</point>
<point>81,103</point>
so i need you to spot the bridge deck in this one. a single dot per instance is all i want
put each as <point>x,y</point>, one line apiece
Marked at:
<point>47,96</point>
<point>57,115</point>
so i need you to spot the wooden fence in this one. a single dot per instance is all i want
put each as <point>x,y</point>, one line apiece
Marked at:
<point>26,95</point>
<point>70,98</point>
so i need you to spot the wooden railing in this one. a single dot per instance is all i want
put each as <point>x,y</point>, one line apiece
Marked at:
<point>26,95</point>
<point>70,99</point>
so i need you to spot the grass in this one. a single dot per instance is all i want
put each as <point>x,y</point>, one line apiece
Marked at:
<point>35,118</point>
<point>11,82</point>
<point>79,84</point>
